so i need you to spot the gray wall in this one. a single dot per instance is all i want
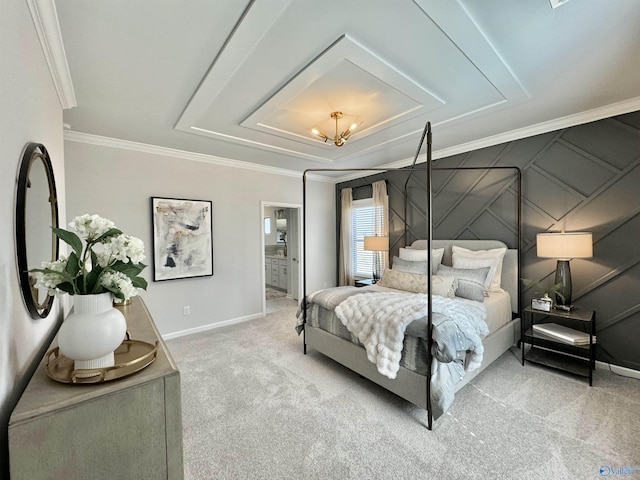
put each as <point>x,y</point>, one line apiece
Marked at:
<point>584,178</point>
<point>117,183</point>
<point>29,112</point>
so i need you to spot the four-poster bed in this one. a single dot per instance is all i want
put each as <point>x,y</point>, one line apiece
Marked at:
<point>451,334</point>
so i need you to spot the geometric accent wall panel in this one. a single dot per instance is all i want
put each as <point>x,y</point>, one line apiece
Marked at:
<point>575,171</point>
<point>583,178</point>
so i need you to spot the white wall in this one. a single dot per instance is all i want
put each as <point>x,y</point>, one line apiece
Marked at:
<point>29,112</point>
<point>117,183</point>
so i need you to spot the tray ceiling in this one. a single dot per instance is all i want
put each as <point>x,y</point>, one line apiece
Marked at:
<point>247,80</point>
<point>347,76</point>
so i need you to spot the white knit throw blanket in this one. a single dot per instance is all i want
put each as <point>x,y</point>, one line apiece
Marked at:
<point>379,322</point>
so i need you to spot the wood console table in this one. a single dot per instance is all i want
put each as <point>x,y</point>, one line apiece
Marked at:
<point>130,428</point>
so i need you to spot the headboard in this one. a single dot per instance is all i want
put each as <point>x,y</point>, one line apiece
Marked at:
<point>509,279</point>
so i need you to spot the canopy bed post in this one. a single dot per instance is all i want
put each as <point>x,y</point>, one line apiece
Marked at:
<point>304,258</point>
<point>429,278</point>
<point>427,129</point>
<point>425,133</point>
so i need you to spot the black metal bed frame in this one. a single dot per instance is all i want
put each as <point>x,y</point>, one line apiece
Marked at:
<point>429,234</point>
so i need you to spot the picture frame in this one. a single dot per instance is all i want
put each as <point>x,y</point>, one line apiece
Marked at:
<point>182,238</point>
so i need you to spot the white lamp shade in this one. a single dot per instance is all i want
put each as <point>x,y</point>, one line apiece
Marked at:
<point>565,245</point>
<point>376,244</point>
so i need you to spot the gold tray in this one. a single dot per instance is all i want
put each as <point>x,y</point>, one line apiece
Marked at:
<point>130,357</point>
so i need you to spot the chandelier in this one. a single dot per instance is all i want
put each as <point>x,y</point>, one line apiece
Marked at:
<point>340,137</point>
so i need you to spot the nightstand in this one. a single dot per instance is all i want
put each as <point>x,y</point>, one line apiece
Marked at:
<point>545,349</point>
<point>365,282</point>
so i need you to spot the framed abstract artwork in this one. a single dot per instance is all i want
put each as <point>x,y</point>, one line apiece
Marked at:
<point>182,238</point>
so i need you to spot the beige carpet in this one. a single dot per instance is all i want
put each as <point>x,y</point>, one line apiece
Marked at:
<point>272,293</point>
<point>255,407</point>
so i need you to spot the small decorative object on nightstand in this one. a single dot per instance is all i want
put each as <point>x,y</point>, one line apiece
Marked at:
<point>543,304</point>
<point>560,339</point>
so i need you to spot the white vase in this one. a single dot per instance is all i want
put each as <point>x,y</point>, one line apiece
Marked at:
<point>92,331</point>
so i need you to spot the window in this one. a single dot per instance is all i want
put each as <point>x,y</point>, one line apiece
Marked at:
<point>267,225</point>
<point>362,216</point>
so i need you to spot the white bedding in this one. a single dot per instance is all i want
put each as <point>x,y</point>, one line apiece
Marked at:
<point>379,322</point>
<point>498,305</point>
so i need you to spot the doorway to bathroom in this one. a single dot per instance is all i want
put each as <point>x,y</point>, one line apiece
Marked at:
<point>281,251</point>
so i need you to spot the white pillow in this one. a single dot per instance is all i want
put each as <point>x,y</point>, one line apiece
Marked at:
<point>464,258</point>
<point>415,255</point>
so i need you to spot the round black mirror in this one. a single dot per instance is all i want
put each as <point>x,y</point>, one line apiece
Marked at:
<point>36,213</point>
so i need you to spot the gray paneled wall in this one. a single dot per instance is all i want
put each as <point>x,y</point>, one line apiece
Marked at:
<point>584,178</point>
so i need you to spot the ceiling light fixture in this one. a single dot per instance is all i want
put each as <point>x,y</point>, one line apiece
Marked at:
<point>339,138</point>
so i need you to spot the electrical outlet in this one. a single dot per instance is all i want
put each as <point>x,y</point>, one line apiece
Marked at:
<point>186,311</point>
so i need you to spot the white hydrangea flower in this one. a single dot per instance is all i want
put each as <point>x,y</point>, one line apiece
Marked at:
<point>134,248</point>
<point>50,281</point>
<point>90,227</point>
<point>119,281</point>
<point>104,257</point>
<point>122,247</point>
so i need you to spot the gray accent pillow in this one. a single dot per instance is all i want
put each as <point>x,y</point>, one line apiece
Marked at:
<point>414,266</point>
<point>470,281</point>
<point>409,266</point>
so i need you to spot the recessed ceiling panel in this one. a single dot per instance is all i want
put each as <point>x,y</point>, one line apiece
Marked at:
<point>242,100</point>
<point>345,78</point>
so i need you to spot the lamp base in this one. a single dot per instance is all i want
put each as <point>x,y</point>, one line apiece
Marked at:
<point>563,283</point>
<point>376,267</point>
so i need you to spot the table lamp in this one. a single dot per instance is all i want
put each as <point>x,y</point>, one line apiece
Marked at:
<point>376,244</point>
<point>564,246</point>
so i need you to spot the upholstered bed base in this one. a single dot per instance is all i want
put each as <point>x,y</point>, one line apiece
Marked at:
<point>409,385</point>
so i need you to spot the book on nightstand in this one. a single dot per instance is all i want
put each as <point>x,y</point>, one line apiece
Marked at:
<point>562,334</point>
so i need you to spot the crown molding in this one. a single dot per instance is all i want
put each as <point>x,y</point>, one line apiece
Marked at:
<point>45,19</point>
<point>568,121</point>
<point>595,114</point>
<point>90,139</point>
<point>600,113</point>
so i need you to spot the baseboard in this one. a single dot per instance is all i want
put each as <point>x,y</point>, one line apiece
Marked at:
<point>210,326</point>
<point>624,371</point>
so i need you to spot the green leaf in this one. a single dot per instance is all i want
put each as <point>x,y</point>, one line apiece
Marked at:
<point>64,275</point>
<point>556,289</point>
<point>71,238</point>
<point>109,233</point>
<point>129,269</point>
<point>139,282</point>
<point>73,265</point>
<point>66,287</point>
<point>92,283</point>
<point>116,293</point>
<point>41,270</point>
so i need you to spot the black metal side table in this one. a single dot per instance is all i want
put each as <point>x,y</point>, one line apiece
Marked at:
<point>552,351</point>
